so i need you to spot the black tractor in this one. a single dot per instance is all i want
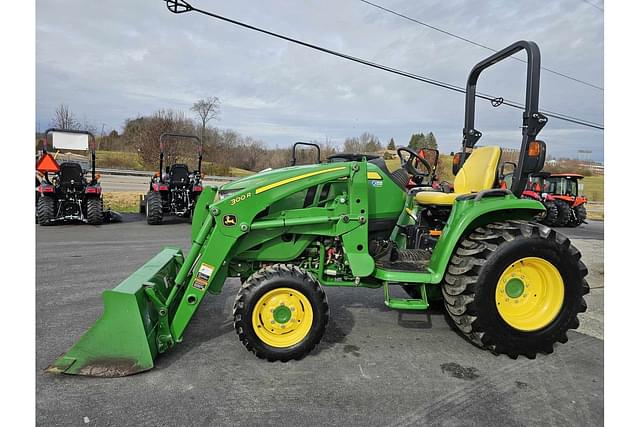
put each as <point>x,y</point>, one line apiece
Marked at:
<point>174,190</point>
<point>65,191</point>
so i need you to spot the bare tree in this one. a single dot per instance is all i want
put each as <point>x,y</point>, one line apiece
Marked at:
<point>365,143</point>
<point>144,134</point>
<point>86,125</point>
<point>206,109</point>
<point>64,118</point>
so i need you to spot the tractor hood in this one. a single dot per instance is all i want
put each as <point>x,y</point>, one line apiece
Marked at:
<point>266,177</point>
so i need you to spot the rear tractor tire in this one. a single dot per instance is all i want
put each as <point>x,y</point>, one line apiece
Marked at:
<point>154,208</point>
<point>552,213</point>
<point>280,313</point>
<point>46,210</point>
<point>578,216</point>
<point>564,213</point>
<point>95,215</point>
<point>515,288</point>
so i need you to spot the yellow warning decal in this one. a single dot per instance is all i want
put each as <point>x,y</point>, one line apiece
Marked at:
<point>296,178</point>
<point>200,284</point>
<point>373,175</point>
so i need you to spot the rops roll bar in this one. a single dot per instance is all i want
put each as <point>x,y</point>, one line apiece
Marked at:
<point>180,135</point>
<point>92,145</point>
<point>532,120</point>
<point>310,144</point>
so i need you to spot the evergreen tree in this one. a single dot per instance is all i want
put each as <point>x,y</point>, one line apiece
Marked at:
<point>430,141</point>
<point>420,140</point>
<point>392,144</point>
<point>417,141</point>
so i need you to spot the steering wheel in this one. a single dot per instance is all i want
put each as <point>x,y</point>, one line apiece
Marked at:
<point>408,165</point>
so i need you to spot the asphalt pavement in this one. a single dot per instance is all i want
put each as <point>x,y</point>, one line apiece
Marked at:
<point>374,366</point>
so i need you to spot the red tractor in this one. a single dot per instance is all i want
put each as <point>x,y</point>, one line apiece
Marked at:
<point>564,188</point>
<point>536,189</point>
<point>69,191</point>
<point>559,194</point>
<point>175,190</point>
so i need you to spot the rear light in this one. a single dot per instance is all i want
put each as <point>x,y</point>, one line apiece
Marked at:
<point>534,149</point>
<point>93,190</point>
<point>46,189</point>
<point>160,187</point>
<point>197,188</point>
<point>456,159</point>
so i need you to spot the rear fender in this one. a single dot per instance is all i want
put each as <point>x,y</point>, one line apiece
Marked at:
<point>467,215</point>
<point>531,194</point>
<point>579,201</point>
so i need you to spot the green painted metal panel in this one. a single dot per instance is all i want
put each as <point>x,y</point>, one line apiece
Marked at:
<point>385,198</point>
<point>201,210</point>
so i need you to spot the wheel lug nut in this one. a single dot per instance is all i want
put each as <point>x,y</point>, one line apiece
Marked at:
<point>273,321</point>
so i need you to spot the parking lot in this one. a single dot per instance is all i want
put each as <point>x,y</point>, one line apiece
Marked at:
<point>375,366</point>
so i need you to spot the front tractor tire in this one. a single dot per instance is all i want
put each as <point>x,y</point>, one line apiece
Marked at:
<point>94,211</point>
<point>515,288</point>
<point>46,210</point>
<point>154,208</point>
<point>280,313</point>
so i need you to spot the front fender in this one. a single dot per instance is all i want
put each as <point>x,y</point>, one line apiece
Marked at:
<point>466,215</point>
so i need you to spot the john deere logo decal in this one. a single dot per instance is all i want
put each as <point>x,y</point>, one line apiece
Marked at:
<point>229,220</point>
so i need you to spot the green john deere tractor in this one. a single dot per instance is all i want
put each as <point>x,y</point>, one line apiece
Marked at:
<point>510,285</point>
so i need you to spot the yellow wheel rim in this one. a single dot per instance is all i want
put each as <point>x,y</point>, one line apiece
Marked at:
<point>282,317</point>
<point>529,294</point>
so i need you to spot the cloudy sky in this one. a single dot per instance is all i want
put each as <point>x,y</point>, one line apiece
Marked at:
<point>112,60</point>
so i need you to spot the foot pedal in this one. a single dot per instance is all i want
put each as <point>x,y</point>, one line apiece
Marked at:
<point>406,303</point>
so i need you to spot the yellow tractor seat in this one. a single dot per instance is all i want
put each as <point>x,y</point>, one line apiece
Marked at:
<point>478,173</point>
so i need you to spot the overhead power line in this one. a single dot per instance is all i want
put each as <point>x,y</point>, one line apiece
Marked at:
<point>180,6</point>
<point>594,5</point>
<point>449,33</point>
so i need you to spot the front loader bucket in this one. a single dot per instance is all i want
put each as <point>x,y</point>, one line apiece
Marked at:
<point>123,341</point>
